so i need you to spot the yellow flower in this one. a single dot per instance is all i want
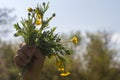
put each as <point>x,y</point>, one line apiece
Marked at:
<point>65,74</point>
<point>61,69</point>
<point>38,16</point>
<point>74,40</point>
<point>38,22</point>
<point>30,9</point>
<point>58,63</point>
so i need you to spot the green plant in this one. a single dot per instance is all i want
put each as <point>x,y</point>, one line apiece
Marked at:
<point>36,32</point>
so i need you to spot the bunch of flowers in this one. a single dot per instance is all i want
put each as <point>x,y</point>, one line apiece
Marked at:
<point>36,32</point>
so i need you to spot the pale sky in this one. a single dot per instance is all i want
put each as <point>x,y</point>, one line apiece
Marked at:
<point>83,15</point>
<point>72,15</point>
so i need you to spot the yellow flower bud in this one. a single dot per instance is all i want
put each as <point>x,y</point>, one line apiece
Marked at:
<point>58,63</point>
<point>38,16</point>
<point>74,40</point>
<point>38,22</point>
<point>61,69</point>
<point>30,9</point>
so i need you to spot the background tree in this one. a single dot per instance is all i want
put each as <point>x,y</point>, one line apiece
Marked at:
<point>7,67</point>
<point>6,19</point>
<point>99,57</point>
<point>7,50</point>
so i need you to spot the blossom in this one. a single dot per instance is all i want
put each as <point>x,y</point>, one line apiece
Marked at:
<point>58,63</point>
<point>30,9</point>
<point>38,16</point>
<point>38,22</point>
<point>74,40</point>
<point>61,69</point>
<point>65,74</point>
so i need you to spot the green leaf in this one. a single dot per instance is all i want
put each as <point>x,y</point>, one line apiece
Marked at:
<point>16,34</point>
<point>61,57</point>
<point>46,7</point>
<point>17,27</point>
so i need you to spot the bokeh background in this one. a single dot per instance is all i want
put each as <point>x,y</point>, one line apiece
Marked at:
<point>96,22</point>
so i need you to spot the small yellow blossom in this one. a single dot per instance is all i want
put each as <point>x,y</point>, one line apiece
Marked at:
<point>65,74</point>
<point>38,22</point>
<point>61,69</point>
<point>74,40</point>
<point>58,63</point>
<point>38,16</point>
<point>30,9</point>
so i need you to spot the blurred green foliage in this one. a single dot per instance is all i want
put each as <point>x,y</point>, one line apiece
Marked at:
<point>95,63</point>
<point>8,71</point>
